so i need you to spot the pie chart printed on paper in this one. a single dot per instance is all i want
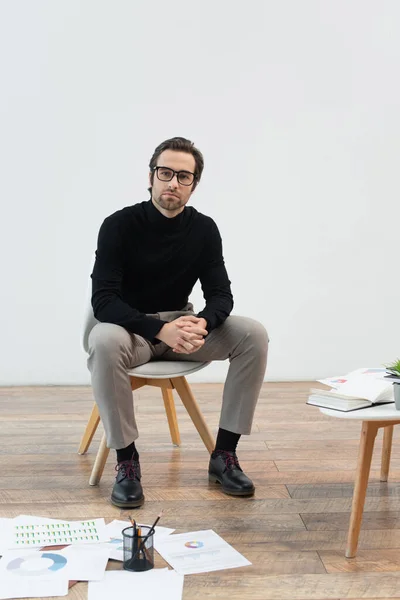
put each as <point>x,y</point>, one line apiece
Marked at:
<point>194,544</point>
<point>37,564</point>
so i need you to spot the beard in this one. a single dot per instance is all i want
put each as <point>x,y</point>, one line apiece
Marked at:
<point>169,203</point>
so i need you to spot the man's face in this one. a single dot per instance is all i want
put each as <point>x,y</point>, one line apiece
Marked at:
<point>170,197</point>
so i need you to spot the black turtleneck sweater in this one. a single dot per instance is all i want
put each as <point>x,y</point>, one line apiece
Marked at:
<point>147,263</point>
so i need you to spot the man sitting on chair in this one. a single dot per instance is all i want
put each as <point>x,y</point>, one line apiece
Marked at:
<point>149,256</point>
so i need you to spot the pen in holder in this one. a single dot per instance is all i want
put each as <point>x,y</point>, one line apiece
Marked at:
<point>138,548</point>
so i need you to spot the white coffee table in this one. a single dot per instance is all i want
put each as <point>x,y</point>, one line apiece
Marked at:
<point>373,418</point>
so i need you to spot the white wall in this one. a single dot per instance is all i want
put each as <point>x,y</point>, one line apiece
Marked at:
<point>295,106</point>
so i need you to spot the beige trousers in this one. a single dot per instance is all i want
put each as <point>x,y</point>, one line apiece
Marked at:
<point>113,350</point>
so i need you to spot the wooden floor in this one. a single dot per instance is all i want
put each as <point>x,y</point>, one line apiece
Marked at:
<point>293,530</point>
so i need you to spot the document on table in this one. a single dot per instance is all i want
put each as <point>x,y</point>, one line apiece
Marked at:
<point>199,552</point>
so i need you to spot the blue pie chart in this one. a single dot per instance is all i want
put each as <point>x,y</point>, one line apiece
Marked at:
<point>37,564</point>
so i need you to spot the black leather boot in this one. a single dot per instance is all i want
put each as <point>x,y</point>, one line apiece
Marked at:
<point>224,468</point>
<point>127,491</point>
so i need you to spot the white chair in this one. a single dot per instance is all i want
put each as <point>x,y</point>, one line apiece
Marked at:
<point>384,416</point>
<point>167,375</point>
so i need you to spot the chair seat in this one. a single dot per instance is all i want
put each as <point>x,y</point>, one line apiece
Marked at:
<point>166,369</point>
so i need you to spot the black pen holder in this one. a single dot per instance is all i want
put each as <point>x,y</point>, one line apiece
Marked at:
<point>138,549</point>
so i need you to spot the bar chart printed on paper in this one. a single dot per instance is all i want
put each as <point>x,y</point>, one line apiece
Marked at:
<point>47,534</point>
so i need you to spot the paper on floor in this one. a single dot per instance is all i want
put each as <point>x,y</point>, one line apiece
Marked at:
<point>199,552</point>
<point>150,585</point>
<point>4,528</point>
<point>36,520</point>
<point>72,563</point>
<point>21,588</point>
<point>31,533</point>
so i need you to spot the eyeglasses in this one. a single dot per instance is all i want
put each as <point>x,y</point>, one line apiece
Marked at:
<point>166,174</point>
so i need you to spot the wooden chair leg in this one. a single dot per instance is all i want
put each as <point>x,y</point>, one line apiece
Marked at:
<point>90,430</point>
<point>99,463</point>
<point>189,402</point>
<point>386,451</point>
<point>103,451</point>
<point>169,405</point>
<point>368,434</point>
<point>137,382</point>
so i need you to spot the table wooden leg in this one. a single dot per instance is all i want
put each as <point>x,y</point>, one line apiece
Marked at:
<point>368,434</point>
<point>386,451</point>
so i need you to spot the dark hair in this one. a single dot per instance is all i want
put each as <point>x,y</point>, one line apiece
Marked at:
<point>179,144</point>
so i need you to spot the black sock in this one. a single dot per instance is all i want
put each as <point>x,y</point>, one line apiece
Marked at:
<point>127,453</point>
<point>227,440</point>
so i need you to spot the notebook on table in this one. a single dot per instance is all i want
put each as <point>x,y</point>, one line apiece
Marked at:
<point>356,393</point>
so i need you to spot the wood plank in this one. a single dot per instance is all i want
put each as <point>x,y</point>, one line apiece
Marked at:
<point>265,562</point>
<point>343,490</point>
<point>194,501</point>
<point>371,520</point>
<point>330,465</point>
<point>315,540</point>
<point>366,561</point>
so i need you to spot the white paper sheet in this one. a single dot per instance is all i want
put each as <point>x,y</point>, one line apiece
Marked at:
<point>199,552</point>
<point>337,382</point>
<point>115,545</point>
<point>35,520</point>
<point>31,533</point>
<point>6,524</point>
<point>21,519</point>
<point>72,563</point>
<point>362,386</point>
<point>4,528</point>
<point>155,584</point>
<point>21,588</point>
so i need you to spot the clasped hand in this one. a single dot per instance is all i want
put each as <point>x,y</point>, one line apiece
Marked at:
<point>185,335</point>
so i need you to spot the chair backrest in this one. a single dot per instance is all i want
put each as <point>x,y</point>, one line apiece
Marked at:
<point>89,320</point>
<point>88,323</point>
